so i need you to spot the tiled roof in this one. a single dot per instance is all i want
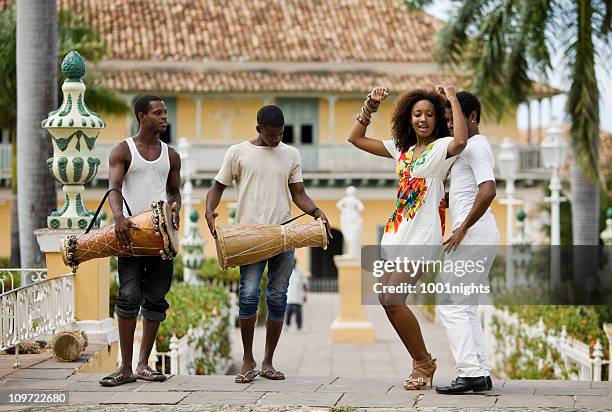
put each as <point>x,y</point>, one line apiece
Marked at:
<point>260,30</point>
<point>252,82</point>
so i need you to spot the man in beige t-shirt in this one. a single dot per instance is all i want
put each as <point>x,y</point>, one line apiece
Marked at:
<point>268,176</point>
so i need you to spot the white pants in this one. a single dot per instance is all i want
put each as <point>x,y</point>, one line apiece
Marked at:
<point>461,321</point>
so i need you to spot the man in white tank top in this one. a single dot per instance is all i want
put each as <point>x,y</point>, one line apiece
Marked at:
<point>475,238</point>
<point>144,170</point>
<point>268,176</point>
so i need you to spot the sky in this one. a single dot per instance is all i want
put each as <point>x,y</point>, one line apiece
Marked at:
<point>441,9</point>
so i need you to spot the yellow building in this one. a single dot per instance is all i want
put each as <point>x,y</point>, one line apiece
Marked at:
<point>216,63</point>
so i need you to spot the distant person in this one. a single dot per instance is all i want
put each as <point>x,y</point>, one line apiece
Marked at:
<point>296,295</point>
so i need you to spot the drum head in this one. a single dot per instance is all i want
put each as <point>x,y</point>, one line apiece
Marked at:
<point>169,228</point>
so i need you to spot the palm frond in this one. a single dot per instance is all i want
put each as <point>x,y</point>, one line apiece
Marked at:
<point>101,99</point>
<point>452,38</point>
<point>536,26</point>
<point>583,96</point>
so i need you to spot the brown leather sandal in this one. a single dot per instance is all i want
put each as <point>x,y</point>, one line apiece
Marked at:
<point>422,374</point>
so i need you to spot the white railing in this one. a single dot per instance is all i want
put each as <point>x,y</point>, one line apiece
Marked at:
<point>36,309</point>
<point>336,158</point>
<point>575,360</point>
<point>13,278</point>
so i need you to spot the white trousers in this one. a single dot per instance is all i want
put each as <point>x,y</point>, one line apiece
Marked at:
<point>461,321</point>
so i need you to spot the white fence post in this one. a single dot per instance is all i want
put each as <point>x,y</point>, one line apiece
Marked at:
<point>174,358</point>
<point>597,361</point>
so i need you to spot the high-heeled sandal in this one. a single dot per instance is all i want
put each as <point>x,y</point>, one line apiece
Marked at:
<point>422,374</point>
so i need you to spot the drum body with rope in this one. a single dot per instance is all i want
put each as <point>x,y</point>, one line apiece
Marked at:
<point>155,236</point>
<point>244,244</point>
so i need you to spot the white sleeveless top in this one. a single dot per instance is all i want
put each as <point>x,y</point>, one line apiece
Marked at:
<point>145,181</point>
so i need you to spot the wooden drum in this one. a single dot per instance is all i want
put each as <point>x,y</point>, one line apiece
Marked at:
<point>244,244</point>
<point>155,236</point>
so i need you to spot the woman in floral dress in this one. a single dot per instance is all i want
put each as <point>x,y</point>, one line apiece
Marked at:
<point>423,156</point>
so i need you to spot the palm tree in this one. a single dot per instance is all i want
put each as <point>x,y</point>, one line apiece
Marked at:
<point>73,35</point>
<point>503,42</point>
<point>36,96</point>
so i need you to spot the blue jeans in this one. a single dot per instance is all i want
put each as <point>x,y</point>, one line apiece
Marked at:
<point>279,271</point>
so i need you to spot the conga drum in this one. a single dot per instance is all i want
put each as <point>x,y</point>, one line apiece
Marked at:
<point>155,236</point>
<point>244,244</point>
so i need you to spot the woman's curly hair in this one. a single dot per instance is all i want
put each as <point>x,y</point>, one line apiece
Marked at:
<point>404,135</point>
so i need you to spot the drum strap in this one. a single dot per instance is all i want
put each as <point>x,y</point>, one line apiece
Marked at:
<point>303,214</point>
<point>95,216</point>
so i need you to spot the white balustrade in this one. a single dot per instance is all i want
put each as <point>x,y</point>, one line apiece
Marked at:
<point>577,360</point>
<point>37,309</point>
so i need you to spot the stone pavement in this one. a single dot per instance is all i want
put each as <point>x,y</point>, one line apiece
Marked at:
<point>320,377</point>
<point>311,353</point>
<point>217,393</point>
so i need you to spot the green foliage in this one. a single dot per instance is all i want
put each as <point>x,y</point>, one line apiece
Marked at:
<point>500,43</point>
<point>5,262</point>
<point>177,269</point>
<point>8,68</point>
<point>198,307</point>
<point>188,304</point>
<point>210,272</point>
<point>73,35</point>
<point>582,322</point>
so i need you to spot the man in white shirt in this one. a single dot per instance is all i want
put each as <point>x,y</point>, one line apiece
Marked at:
<point>296,295</point>
<point>472,189</point>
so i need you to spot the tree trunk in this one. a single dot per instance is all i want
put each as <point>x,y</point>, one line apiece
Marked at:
<point>15,255</point>
<point>585,208</point>
<point>37,45</point>
<point>585,229</point>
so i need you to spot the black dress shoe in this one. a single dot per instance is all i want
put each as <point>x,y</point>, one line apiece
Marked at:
<point>463,385</point>
<point>487,378</point>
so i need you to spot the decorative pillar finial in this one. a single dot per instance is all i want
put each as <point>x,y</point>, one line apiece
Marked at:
<point>74,129</point>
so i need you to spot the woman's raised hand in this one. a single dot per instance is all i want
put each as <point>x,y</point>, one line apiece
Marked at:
<point>379,94</point>
<point>447,91</point>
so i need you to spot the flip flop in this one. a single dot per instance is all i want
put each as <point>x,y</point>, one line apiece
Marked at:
<point>116,379</point>
<point>151,375</point>
<point>273,375</point>
<point>243,378</point>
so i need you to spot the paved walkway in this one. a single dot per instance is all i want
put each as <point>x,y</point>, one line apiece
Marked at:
<point>320,377</point>
<point>310,352</point>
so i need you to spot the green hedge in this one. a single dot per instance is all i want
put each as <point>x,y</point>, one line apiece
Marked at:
<point>210,270</point>
<point>198,307</point>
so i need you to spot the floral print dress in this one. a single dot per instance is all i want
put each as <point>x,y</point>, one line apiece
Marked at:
<point>418,218</point>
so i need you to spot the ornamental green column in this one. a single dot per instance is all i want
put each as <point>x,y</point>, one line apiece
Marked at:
<point>74,130</point>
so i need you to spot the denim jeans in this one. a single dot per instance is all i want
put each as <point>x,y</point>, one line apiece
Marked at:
<point>279,271</point>
<point>297,309</point>
<point>143,283</point>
